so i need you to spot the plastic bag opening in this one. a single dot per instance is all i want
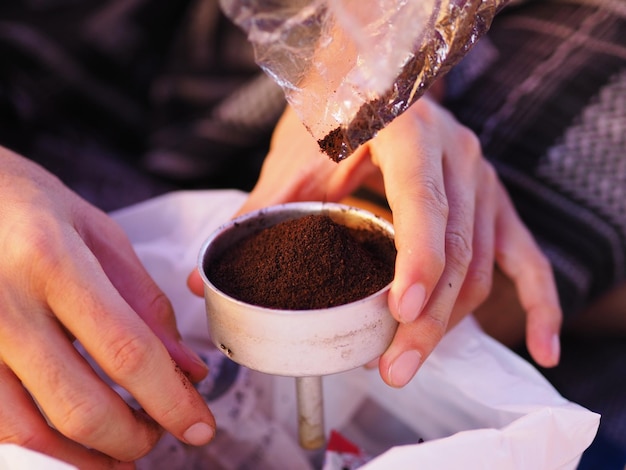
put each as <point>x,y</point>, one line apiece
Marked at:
<point>349,67</point>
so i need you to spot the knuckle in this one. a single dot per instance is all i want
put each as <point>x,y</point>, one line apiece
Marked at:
<point>27,242</point>
<point>468,140</point>
<point>24,436</point>
<point>83,420</point>
<point>176,410</point>
<point>433,195</point>
<point>128,354</point>
<point>88,422</point>
<point>139,447</point>
<point>438,323</point>
<point>34,252</point>
<point>434,326</point>
<point>459,250</point>
<point>160,306</point>
<point>425,111</point>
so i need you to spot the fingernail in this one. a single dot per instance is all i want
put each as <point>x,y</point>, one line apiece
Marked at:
<point>411,303</point>
<point>198,434</point>
<point>191,354</point>
<point>403,368</point>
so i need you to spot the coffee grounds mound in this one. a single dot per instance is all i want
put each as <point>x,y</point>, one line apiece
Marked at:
<point>303,264</point>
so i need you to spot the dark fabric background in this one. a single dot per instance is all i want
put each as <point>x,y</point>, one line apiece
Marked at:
<point>127,99</point>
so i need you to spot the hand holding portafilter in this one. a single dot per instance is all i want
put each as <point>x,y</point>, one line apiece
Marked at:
<point>348,68</point>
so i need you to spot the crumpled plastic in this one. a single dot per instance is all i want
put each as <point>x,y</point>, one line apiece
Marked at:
<point>349,67</point>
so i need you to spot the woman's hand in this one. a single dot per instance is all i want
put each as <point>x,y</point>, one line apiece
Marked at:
<point>453,220</point>
<point>68,272</point>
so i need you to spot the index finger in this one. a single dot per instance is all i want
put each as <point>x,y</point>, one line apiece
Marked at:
<point>124,345</point>
<point>414,183</point>
<point>127,274</point>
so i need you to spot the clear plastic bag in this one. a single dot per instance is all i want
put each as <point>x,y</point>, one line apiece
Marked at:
<point>349,67</point>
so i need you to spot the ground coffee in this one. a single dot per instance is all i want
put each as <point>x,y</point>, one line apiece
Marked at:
<point>307,263</point>
<point>375,114</point>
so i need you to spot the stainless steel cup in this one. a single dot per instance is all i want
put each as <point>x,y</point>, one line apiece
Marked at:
<point>306,344</point>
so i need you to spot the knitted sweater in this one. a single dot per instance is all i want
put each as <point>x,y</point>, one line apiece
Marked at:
<point>546,93</point>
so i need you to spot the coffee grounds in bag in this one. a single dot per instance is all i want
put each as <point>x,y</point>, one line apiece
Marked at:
<point>307,263</point>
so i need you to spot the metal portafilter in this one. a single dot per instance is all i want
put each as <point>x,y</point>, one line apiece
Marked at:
<point>305,344</point>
